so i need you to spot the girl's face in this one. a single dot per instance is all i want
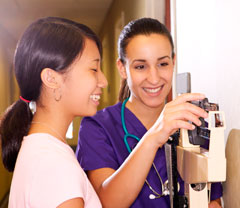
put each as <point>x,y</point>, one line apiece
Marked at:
<point>83,83</point>
<point>149,69</point>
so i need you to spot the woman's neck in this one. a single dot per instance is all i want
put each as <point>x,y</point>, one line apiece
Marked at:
<point>147,115</point>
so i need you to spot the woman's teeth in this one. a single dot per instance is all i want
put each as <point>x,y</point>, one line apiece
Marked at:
<point>153,90</point>
<point>95,97</point>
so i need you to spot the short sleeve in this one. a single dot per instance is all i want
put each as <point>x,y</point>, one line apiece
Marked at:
<point>216,191</point>
<point>94,148</point>
<point>57,180</point>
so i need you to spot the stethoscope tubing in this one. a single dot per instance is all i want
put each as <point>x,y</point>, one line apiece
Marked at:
<point>151,196</point>
<point>125,128</point>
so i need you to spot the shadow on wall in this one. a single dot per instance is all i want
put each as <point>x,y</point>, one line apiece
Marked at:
<point>4,201</point>
<point>231,190</point>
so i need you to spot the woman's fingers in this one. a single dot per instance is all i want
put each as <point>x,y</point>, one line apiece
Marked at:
<point>187,107</point>
<point>187,97</point>
<point>185,116</point>
<point>180,124</point>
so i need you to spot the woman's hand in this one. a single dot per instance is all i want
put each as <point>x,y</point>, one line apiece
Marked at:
<point>177,114</point>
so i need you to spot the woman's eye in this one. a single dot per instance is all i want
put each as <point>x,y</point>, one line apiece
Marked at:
<point>95,70</point>
<point>163,64</point>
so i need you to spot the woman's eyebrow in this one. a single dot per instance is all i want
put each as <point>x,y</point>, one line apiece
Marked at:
<point>164,57</point>
<point>143,60</point>
<point>138,60</point>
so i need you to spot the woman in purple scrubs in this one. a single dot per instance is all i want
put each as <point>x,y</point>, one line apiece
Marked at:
<point>126,172</point>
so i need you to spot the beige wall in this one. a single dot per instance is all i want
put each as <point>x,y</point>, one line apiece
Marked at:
<point>4,82</point>
<point>5,177</point>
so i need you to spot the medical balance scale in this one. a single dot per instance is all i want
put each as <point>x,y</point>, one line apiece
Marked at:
<point>197,166</point>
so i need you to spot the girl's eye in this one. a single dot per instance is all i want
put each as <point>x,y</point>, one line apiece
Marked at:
<point>95,70</point>
<point>139,67</point>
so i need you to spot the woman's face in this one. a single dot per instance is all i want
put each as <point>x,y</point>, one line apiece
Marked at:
<point>149,69</point>
<point>83,83</point>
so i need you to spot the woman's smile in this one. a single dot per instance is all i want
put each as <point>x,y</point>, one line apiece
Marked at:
<point>153,90</point>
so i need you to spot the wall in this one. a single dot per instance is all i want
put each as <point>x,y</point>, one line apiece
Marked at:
<point>8,93</point>
<point>5,177</point>
<point>207,38</point>
<point>120,13</point>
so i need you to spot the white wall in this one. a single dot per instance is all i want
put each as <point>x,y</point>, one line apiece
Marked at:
<point>208,44</point>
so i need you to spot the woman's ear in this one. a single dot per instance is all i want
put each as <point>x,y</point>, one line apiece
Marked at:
<point>121,69</point>
<point>50,78</point>
<point>174,59</point>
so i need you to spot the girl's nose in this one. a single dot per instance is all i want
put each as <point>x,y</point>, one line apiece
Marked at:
<point>102,81</point>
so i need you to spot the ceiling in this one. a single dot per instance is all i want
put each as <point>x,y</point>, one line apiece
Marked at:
<point>16,15</point>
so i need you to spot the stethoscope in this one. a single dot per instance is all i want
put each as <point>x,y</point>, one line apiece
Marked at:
<point>155,195</point>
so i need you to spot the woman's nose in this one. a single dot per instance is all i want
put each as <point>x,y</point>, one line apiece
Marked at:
<point>153,75</point>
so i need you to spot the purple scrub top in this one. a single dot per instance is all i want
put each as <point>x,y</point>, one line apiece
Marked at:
<point>101,145</point>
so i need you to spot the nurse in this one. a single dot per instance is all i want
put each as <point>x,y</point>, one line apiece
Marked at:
<point>122,147</point>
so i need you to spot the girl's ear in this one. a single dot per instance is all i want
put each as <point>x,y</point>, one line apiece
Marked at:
<point>50,78</point>
<point>121,69</point>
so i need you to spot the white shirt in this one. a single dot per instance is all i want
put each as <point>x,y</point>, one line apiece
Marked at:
<point>47,173</point>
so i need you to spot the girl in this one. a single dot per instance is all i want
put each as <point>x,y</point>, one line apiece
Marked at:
<point>123,171</point>
<point>57,66</point>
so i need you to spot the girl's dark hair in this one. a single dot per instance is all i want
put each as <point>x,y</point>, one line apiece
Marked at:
<point>50,42</point>
<point>143,26</point>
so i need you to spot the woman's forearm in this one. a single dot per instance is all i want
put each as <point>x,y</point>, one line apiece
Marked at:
<point>123,186</point>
